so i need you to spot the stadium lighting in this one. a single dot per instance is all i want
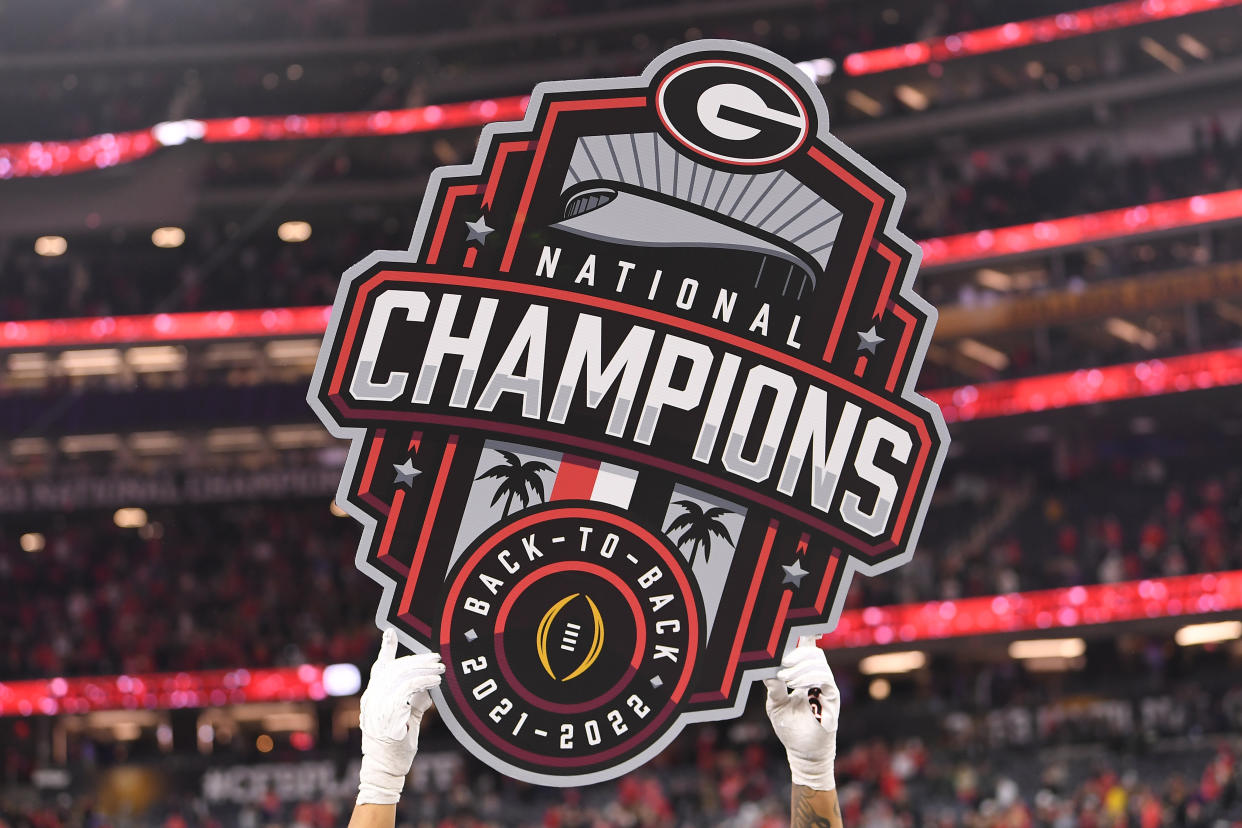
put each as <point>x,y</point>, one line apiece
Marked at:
<point>155,442</point>
<point>297,436</point>
<point>906,661</point>
<point>51,246</point>
<point>284,721</point>
<point>33,364</point>
<point>243,438</point>
<point>168,237</point>
<point>32,542</point>
<point>175,133</point>
<point>879,689</point>
<point>83,443</point>
<point>130,517</point>
<point>818,70</point>
<point>264,743</point>
<point>985,354</point>
<point>995,279</point>
<point>1129,332</point>
<point>52,158</point>
<point>1212,369</point>
<point>126,731</point>
<point>341,679</point>
<point>1158,51</point>
<point>1044,648</point>
<point>1195,634</point>
<point>864,103</point>
<point>1116,15</point>
<point>1228,312</point>
<point>1053,665</point>
<point>1123,222</point>
<point>336,511</point>
<point>1131,380</point>
<point>91,362</point>
<point>911,97</point>
<point>1192,46</point>
<point>294,231</point>
<point>28,447</point>
<point>150,359</point>
<point>293,351</point>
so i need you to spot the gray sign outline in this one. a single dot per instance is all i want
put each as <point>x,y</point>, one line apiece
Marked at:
<point>357,435</point>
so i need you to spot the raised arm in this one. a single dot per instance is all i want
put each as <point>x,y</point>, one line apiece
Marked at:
<point>804,706</point>
<point>392,709</point>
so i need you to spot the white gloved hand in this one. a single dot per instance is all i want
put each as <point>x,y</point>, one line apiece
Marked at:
<point>391,710</point>
<point>804,705</point>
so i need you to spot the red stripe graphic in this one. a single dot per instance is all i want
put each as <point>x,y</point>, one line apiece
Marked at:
<point>575,479</point>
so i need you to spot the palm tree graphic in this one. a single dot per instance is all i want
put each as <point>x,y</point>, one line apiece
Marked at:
<point>517,479</point>
<point>698,527</point>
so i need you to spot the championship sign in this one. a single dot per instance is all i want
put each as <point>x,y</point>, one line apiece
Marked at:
<point>633,407</point>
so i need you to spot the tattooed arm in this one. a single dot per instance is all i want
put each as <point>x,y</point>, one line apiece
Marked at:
<point>814,809</point>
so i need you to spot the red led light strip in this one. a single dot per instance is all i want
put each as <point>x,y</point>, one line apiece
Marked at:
<point>1054,609</point>
<point>1212,369</point>
<point>1091,227</point>
<point>960,249</point>
<point>161,691</point>
<point>1044,610</point>
<point>165,327</point>
<point>1190,372</point>
<point>1026,32</point>
<point>51,158</point>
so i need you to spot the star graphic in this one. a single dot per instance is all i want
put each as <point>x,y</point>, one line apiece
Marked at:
<point>478,231</point>
<point>794,573</point>
<point>405,473</point>
<point>867,340</point>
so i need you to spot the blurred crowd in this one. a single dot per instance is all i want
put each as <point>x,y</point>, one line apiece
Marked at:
<point>1094,514</point>
<point>197,587</point>
<point>881,784</point>
<point>218,268</point>
<point>181,592</point>
<point>987,189</point>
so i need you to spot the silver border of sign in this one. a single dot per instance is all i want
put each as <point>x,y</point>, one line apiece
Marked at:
<point>430,199</point>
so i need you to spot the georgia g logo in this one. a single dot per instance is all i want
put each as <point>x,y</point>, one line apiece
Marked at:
<point>633,407</point>
<point>732,112</point>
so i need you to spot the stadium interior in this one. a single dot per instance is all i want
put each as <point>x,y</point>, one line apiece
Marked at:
<point>183,633</point>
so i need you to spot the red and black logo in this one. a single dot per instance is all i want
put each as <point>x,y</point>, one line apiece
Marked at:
<point>633,408</point>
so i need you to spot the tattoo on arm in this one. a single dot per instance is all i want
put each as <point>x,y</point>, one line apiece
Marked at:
<point>814,809</point>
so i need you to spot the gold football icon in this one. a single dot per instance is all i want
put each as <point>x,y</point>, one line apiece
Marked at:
<point>571,637</point>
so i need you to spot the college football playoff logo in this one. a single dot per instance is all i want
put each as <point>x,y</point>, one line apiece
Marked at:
<point>633,407</point>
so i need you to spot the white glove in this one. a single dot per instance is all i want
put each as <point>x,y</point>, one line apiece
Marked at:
<point>804,705</point>
<point>391,709</point>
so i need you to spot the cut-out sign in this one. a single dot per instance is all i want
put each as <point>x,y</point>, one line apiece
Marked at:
<point>633,408</point>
